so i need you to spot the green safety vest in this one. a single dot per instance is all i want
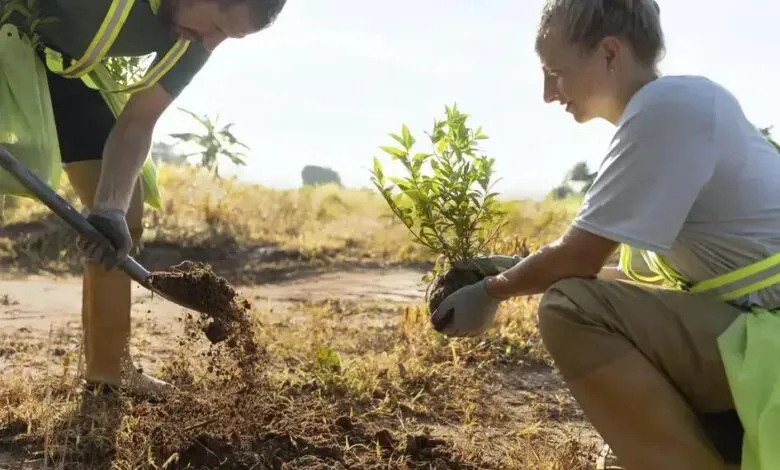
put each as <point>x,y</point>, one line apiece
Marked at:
<point>750,348</point>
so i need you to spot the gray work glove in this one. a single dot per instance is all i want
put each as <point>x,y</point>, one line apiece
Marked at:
<point>116,242</point>
<point>468,311</point>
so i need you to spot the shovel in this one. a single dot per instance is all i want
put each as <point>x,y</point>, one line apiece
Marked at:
<point>78,222</point>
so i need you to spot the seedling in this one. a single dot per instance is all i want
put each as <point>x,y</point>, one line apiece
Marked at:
<point>446,200</point>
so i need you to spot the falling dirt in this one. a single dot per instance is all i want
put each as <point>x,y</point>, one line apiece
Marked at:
<point>196,285</point>
<point>225,317</point>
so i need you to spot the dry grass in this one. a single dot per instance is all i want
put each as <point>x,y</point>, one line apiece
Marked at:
<point>340,384</point>
<point>325,223</point>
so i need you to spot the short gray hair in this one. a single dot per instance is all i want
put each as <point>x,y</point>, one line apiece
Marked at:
<point>586,22</point>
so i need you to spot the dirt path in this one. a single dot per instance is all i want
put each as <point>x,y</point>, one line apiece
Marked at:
<point>40,302</point>
<point>31,308</point>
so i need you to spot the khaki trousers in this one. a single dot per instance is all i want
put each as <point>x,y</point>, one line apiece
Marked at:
<point>106,296</point>
<point>644,366</point>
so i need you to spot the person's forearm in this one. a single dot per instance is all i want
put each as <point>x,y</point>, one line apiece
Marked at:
<point>124,153</point>
<point>537,272</point>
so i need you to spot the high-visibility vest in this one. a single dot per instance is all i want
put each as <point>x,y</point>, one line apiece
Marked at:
<point>101,43</point>
<point>749,348</point>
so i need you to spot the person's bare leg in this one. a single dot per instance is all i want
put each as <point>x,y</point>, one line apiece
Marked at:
<point>107,300</point>
<point>646,422</point>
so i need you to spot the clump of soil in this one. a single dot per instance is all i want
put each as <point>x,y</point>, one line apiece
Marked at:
<point>225,316</point>
<point>452,279</point>
<point>197,286</point>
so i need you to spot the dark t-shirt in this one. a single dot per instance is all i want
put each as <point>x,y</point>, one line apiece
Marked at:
<point>143,33</point>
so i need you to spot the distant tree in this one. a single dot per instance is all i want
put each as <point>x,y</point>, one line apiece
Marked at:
<point>580,173</point>
<point>313,175</point>
<point>214,142</point>
<point>561,192</point>
<point>163,152</point>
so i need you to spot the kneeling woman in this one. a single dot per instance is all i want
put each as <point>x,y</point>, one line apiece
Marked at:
<point>689,182</point>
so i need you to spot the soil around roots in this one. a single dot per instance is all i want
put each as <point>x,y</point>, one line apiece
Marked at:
<point>452,280</point>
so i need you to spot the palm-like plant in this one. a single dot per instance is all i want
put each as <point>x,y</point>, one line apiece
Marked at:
<point>214,142</point>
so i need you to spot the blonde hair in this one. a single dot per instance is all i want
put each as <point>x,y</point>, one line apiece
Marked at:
<point>586,22</point>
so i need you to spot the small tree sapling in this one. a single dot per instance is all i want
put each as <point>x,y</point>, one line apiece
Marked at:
<point>446,200</point>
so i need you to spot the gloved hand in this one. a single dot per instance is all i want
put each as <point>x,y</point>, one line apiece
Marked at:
<point>115,244</point>
<point>495,264</point>
<point>466,312</point>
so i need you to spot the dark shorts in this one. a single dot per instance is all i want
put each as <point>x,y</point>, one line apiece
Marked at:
<point>82,117</point>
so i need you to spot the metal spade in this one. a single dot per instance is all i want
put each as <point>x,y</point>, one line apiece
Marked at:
<point>78,222</point>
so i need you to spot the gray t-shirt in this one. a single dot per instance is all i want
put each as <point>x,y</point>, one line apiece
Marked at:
<point>689,177</point>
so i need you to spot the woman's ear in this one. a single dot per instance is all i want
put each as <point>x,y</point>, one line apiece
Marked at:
<point>611,48</point>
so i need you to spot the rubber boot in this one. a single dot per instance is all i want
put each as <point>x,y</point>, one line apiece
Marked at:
<point>645,421</point>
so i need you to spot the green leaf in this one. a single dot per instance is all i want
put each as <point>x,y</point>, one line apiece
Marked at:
<point>186,136</point>
<point>442,144</point>
<point>397,138</point>
<point>408,140</point>
<point>378,171</point>
<point>393,151</point>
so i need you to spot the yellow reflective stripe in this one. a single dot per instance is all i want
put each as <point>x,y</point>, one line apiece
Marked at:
<point>625,265</point>
<point>769,267</point>
<point>658,265</point>
<point>750,288</point>
<point>103,39</point>
<point>161,68</point>
<point>738,274</point>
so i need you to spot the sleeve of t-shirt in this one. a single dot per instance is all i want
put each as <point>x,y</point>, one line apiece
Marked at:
<point>658,162</point>
<point>181,74</point>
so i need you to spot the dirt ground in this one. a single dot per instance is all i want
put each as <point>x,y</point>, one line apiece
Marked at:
<point>33,309</point>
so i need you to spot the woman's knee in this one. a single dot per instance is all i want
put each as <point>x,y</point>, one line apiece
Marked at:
<point>560,307</point>
<point>574,326</point>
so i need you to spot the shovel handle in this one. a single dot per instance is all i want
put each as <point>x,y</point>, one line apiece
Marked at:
<point>64,210</point>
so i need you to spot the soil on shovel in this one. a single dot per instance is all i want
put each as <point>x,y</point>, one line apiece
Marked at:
<point>197,285</point>
<point>224,312</point>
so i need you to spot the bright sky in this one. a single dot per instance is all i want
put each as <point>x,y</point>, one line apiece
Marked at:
<point>327,82</point>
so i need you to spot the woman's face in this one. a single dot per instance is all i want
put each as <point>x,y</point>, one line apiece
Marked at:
<point>583,82</point>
